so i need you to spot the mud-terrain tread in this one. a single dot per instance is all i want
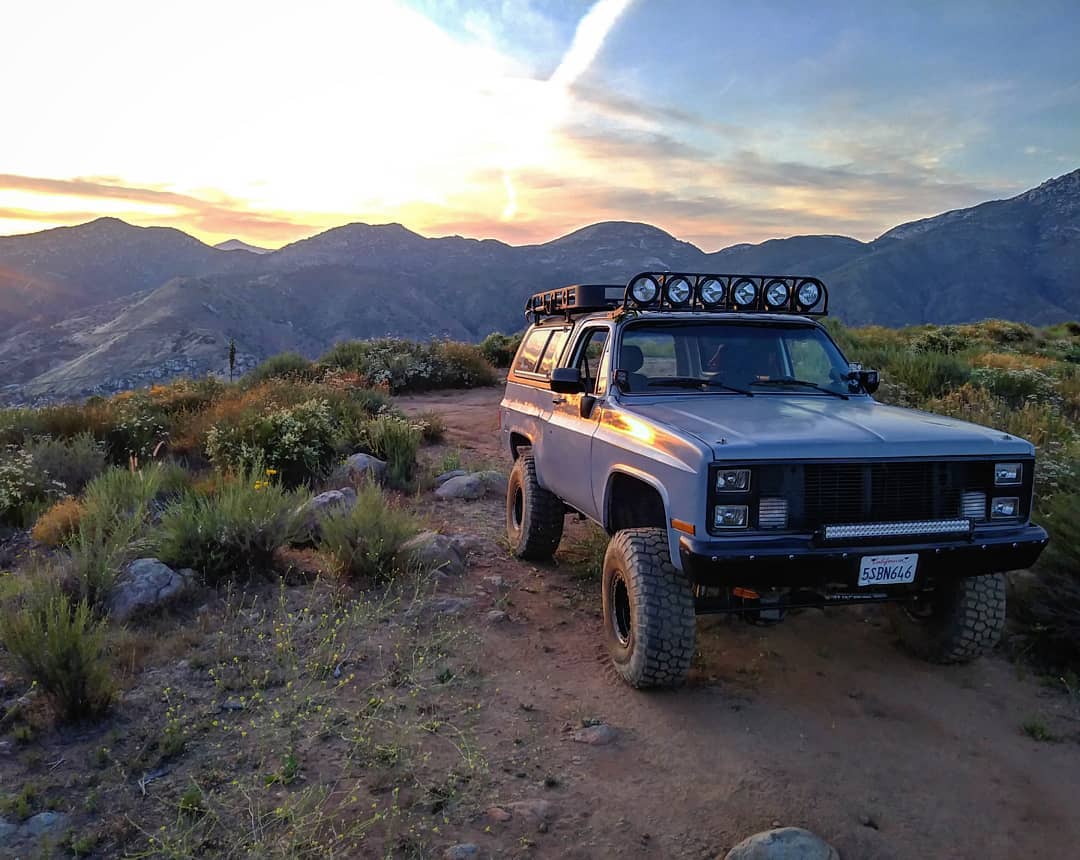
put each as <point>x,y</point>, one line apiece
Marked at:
<point>970,625</point>
<point>543,516</point>
<point>664,622</point>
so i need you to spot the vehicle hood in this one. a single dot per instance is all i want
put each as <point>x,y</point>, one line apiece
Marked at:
<point>798,426</point>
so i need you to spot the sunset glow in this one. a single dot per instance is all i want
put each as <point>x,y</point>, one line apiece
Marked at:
<point>270,121</point>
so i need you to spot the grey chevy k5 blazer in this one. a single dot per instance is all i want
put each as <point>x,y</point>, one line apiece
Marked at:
<point>740,464</point>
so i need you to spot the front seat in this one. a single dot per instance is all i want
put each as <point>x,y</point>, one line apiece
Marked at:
<point>631,359</point>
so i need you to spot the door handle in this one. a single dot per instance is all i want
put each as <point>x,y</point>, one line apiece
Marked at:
<point>555,400</point>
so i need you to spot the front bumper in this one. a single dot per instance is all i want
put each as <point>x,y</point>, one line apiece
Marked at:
<point>806,562</point>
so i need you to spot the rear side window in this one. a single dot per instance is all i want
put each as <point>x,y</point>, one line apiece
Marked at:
<point>554,349</point>
<point>530,350</point>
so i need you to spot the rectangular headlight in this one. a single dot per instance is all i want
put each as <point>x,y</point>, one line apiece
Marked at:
<point>1008,474</point>
<point>730,516</point>
<point>1007,508</point>
<point>732,480</point>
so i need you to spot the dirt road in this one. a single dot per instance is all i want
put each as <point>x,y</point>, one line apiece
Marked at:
<point>821,722</point>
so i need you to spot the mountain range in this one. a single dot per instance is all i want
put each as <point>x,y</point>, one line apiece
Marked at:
<point>105,305</point>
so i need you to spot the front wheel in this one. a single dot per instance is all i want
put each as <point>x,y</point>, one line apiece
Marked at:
<point>648,609</point>
<point>961,619</point>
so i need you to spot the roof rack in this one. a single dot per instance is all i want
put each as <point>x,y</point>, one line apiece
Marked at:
<point>687,291</point>
<point>575,299</point>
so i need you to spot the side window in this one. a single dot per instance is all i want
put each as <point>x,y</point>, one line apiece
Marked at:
<point>530,350</point>
<point>590,350</point>
<point>554,349</point>
<point>809,360</point>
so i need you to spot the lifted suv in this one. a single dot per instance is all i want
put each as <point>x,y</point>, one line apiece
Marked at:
<point>739,463</point>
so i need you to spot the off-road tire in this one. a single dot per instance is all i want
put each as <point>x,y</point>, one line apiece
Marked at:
<point>534,517</point>
<point>965,619</point>
<point>648,610</point>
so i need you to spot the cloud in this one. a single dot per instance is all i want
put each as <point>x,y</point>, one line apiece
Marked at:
<point>220,216</point>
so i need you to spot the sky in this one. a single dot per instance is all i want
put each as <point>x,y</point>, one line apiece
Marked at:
<point>720,122</point>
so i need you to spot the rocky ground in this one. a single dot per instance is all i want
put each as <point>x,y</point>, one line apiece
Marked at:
<point>473,715</point>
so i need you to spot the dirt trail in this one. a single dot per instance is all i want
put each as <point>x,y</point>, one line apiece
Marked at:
<point>821,722</point>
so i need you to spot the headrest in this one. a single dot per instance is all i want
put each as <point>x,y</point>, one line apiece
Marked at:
<point>632,358</point>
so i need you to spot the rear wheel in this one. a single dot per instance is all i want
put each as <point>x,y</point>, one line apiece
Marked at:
<point>960,620</point>
<point>648,610</point>
<point>534,517</point>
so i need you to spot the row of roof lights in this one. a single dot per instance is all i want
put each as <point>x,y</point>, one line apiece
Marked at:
<point>711,292</point>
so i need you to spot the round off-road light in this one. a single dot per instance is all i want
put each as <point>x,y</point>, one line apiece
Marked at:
<point>711,291</point>
<point>678,291</point>
<point>809,294</point>
<point>644,290</point>
<point>744,292</point>
<point>776,294</point>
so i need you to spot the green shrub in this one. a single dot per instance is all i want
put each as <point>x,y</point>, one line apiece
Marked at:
<point>72,462</point>
<point>396,441</point>
<point>432,426</point>
<point>233,532</point>
<point>1051,606</point>
<point>285,365</point>
<point>364,541</point>
<point>402,365</point>
<point>62,648</point>
<point>1016,386</point>
<point>500,349</point>
<point>25,491</point>
<point>138,427</point>
<point>928,374</point>
<point>299,442</point>
<point>944,339</point>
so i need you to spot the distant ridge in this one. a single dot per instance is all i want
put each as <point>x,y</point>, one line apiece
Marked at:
<point>238,245</point>
<point>104,305</point>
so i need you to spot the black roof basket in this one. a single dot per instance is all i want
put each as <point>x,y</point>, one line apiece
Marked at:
<point>575,299</point>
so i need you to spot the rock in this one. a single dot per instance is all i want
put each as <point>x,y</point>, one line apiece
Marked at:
<point>497,616</point>
<point>147,584</point>
<point>232,705</point>
<point>597,736</point>
<point>5,748</point>
<point>785,843</point>
<point>314,511</point>
<point>466,544</point>
<point>432,551</point>
<point>496,582</point>
<point>446,476</point>
<point>440,606</point>
<point>7,830</point>
<point>537,810</point>
<point>464,851</point>
<point>45,822</point>
<point>494,482</point>
<point>359,467</point>
<point>469,487</point>
<point>498,814</point>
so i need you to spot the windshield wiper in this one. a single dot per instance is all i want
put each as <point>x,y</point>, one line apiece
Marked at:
<point>801,383</point>
<point>694,382</point>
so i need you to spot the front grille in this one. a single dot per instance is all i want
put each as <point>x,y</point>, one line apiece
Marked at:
<point>885,492</point>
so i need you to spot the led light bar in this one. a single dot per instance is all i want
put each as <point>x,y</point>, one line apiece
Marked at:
<point>917,527</point>
<point>793,294</point>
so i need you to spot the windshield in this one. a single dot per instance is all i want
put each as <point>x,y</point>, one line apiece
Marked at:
<point>733,357</point>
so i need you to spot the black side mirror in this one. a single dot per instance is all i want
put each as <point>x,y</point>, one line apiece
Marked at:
<point>566,380</point>
<point>869,380</point>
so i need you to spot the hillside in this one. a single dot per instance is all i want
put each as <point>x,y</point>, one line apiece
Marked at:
<point>104,305</point>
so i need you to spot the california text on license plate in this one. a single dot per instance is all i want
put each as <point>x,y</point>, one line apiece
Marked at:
<point>887,569</point>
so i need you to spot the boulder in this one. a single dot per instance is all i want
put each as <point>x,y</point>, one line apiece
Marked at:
<point>536,810</point>
<point>360,467</point>
<point>598,735</point>
<point>147,584</point>
<point>469,487</point>
<point>45,822</point>
<point>7,830</point>
<point>463,851</point>
<point>494,482</point>
<point>446,476</point>
<point>431,551</point>
<point>783,843</point>
<point>314,511</point>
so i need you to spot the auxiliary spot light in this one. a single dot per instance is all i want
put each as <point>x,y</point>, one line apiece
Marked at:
<point>644,291</point>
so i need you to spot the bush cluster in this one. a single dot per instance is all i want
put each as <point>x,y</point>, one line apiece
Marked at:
<point>500,349</point>
<point>408,366</point>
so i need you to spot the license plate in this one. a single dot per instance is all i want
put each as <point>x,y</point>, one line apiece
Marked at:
<point>887,569</point>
